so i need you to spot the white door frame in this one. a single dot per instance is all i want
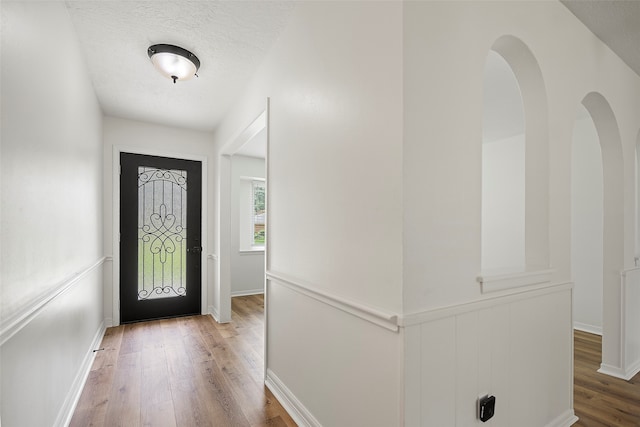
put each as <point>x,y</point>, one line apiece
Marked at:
<point>222,291</point>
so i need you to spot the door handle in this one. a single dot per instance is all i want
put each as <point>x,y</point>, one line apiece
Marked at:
<point>195,249</point>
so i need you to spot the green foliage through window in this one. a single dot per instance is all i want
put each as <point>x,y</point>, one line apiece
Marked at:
<point>259,212</point>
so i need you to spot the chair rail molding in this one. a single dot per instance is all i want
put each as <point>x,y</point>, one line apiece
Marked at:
<point>501,282</point>
<point>490,301</point>
<point>15,322</point>
<point>384,319</point>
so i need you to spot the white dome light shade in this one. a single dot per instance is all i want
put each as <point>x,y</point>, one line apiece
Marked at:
<point>173,61</point>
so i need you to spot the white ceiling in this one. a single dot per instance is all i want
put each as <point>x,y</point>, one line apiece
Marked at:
<point>255,147</point>
<point>229,37</point>
<point>615,22</point>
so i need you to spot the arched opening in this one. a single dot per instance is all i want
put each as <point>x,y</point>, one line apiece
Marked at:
<point>503,169</point>
<point>612,230</point>
<point>515,169</point>
<point>586,224</point>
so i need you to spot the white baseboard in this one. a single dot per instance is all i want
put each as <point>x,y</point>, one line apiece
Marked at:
<point>73,396</point>
<point>612,371</point>
<point>291,404</point>
<point>566,419</point>
<point>591,329</point>
<point>625,374</point>
<point>214,313</point>
<point>216,316</point>
<point>632,370</point>
<point>258,291</point>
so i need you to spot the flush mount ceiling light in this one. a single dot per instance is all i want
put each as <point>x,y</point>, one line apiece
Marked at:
<point>173,61</point>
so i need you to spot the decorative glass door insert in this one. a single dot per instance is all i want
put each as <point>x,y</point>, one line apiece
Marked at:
<point>162,233</point>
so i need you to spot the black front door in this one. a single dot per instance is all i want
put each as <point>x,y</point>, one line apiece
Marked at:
<point>160,237</point>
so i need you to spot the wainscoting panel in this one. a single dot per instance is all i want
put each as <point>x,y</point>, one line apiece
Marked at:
<point>518,349</point>
<point>320,353</point>
<point>47,356</point>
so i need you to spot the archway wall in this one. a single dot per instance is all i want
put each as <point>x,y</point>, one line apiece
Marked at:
<point>534,99</point>
<point>443,128</point>
<point>613,226</point>
<point>445,49</point>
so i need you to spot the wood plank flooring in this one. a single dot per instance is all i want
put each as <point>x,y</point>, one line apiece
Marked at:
<point>189,371</point>
<point>601,400</point>
<point>192,371</point>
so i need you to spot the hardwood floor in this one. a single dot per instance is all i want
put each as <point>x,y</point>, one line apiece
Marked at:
<point>601,400</point>
<point>189,371</point>
<point>192,371</point>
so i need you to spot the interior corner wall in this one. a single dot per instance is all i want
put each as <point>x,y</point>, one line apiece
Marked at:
<point>51,216</point>
<point>334,208</point>
<point>247,267</point>
<point>155,139</point>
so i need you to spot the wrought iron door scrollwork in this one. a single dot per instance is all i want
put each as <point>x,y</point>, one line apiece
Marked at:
<point>162,245</point>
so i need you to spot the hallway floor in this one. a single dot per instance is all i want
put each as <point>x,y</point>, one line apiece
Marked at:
<point>189,371</point>
<point>192,371</point>
<point>601,400</point>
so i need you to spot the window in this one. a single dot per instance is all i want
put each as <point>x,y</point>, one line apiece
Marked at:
<point>258,213</point>
<point>252,214</point>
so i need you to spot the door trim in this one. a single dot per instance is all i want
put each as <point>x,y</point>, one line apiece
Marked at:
<point>223,230</point>
<point>222,233</point>
<point>115,286</point>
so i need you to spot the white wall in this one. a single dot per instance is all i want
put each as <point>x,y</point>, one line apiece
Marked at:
<point>503,205</point>
<point>335,140</point>
<point>51,216</point>
<point>586,225</point>
<point>148,138</point>
<point>247,267</point>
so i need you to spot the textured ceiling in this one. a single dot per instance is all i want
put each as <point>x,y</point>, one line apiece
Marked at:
<point>615,22</point>
<point>230,38</point>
